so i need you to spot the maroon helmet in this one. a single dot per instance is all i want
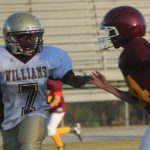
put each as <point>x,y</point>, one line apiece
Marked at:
<point>124,23</point>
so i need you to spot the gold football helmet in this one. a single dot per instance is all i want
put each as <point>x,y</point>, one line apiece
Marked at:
<point>23,33</point>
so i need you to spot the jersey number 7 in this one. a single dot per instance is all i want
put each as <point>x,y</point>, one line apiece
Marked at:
<point>31,89</point>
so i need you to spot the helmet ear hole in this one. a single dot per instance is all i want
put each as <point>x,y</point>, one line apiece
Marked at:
<point>19,24</point>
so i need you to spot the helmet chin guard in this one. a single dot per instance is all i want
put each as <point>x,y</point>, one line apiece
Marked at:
<point>105,42</point>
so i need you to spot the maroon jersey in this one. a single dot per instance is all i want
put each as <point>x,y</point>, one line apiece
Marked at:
<point>55,88</point>
<point>135,65</point>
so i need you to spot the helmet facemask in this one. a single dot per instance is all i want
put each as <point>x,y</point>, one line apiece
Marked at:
<point>110,36</point>
<point>25,43</point>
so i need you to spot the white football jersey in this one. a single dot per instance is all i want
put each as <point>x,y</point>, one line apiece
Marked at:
<point>24,85</point>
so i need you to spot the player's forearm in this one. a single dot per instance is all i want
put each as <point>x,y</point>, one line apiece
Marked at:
<point>78,81</point>
<point>75,80</point>
<point>55,102</point>
<point>122,95</point>
<point>126,96</point>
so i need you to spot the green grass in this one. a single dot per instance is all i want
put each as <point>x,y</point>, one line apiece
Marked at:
<point>102,145</point>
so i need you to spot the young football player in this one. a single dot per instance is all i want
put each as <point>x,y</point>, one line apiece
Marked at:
<point>58,108</point>
<point>25,67</point>
<point>126,27</point>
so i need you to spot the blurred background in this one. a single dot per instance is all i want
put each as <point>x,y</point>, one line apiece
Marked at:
<point>74,26</point>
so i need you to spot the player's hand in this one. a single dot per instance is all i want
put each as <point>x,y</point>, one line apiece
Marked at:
<point>99,80</point>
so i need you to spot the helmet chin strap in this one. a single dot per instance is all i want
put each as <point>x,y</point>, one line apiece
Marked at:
<point>24,53</point>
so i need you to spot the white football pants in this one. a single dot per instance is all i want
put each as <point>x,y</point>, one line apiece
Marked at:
<point>54,120</point>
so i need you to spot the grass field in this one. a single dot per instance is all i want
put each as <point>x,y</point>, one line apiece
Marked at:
<point>103,145</point>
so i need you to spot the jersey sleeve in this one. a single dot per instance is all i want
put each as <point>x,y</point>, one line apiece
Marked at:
<point>65,65</point>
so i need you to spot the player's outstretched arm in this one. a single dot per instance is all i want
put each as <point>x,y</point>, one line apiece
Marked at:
<point>101,82</point>
<point>75,81</point>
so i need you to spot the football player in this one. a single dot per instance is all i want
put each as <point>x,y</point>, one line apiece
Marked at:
<point>58,110</point>
<point>126,28</point>
<point>25,66</point>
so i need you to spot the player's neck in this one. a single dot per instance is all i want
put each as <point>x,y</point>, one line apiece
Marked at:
<point>23,58</point>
